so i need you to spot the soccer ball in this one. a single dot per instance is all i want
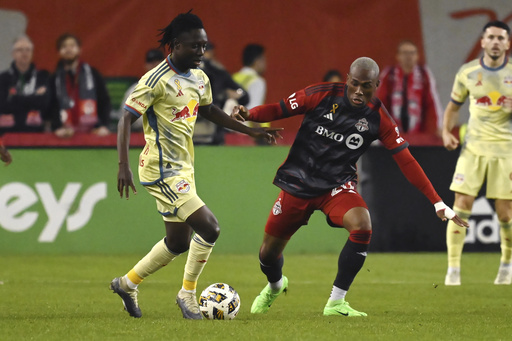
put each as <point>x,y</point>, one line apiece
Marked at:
<point>219,302</point>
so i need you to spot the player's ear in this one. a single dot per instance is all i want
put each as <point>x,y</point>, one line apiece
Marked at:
<point>377,83</point>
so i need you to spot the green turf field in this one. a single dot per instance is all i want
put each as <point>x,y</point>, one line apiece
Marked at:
<point>67,298</point>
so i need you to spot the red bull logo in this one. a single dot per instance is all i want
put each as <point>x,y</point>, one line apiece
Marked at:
<point>186,113</point>
<point>493,100</point>
<point>183,186</point>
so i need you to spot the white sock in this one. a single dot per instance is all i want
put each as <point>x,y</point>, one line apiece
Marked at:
<point>453,270</point>
<point>275,287</point>
<point>337,293</point>
<point>506,266</point>
<point>129,283</point>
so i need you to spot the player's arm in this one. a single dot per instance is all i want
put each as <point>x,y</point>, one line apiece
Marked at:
<point>217,116</point>
<point>125,175</point>
<point>295,104</point>
<point>451,117</point>
<point>416,176</point>
<point>5,156</point>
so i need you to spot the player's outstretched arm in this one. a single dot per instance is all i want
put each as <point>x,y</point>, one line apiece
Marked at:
<point>124,174</point>
<point>416,176</point>
<point>217,116</point>
<point>444,213</point>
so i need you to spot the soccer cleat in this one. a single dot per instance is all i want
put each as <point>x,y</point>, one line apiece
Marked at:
<point>341,308</point>
<point>188,304</point>
<point>452,279</point>
<point>129,296</point>
<point>264,300</point>
<point>504,276</point>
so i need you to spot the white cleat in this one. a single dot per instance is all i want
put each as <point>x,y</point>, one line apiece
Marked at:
<point>452,279</point>
<point>504,276</point>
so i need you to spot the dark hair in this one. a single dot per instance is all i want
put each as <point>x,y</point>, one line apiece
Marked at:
<point>66,36</point>
<point>251,53</point>
<point>497,23</point>
<point>184,22</point>
<point>330,74</point>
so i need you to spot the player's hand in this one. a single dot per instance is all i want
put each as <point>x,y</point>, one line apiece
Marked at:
<point>240,113</point>
<point>101,131</point>
<point>65,132</point>
<point>507,103</point>
<point>449,140</point>
<point>125,180</point>
<point>5,156</point>
<point>444,213</point>
<point>268,134</point>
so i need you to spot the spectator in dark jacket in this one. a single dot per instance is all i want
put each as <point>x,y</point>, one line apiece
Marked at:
<point>80,100</point>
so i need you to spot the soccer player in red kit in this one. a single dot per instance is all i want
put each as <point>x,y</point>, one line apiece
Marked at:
<point>340,122</point>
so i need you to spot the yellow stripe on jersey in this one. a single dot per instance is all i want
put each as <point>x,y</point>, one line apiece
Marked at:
<point>489,130</point>
<point>169,102</point>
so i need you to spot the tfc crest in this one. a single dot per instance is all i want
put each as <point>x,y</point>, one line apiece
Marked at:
<point>362,125</point>
<point>276,210</point>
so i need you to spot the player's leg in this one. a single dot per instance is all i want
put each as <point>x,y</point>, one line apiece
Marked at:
<point>160,255</point>
<point>348,210</point>
<point>455,236</point>
<point>504,212</point>
<point>207,230</point>
<point>467,180</point>
<point>288,214</point>
<point>499,187</point>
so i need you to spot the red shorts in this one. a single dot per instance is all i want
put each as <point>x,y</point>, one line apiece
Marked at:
<point>290,213</point>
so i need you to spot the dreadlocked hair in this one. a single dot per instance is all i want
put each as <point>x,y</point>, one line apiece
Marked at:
<point>184,22</point>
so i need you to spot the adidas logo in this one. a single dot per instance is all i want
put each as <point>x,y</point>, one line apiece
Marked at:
<point>328,116</point>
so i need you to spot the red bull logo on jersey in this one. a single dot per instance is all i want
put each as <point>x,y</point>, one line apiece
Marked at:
<point>493,100</point>
<point>183,186</point>
<point>188,113</point>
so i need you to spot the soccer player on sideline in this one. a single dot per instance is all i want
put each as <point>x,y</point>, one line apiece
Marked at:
<point>486,154</point>
<point>340,122</point>
<point>169,97</point>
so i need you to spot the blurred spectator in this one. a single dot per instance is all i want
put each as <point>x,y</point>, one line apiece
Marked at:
<point>80,101</point>
<point>24,94</point>
<point>250,77</point>
<point>5,156</point>
<point>153,58</point>
<point>333,76</point>
<point>408,91</point>
<point>226,94</point>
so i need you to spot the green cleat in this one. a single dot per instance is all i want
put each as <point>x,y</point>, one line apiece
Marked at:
<point>340,308</point>
<point>264,300</point>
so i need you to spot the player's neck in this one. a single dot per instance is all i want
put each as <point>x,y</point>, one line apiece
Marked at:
<point>493,63</point>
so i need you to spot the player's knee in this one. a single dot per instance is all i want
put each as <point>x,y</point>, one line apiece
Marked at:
<point>177,246</point>
<point>360,236</point>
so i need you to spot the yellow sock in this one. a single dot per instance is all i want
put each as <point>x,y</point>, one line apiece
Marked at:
<point>198,255</point>
<point>455,236</point>
<point>158,257</point>
<point>506,242</point>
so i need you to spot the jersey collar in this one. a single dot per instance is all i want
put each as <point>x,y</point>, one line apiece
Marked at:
<point>175,69</point>
<point>496,68</point>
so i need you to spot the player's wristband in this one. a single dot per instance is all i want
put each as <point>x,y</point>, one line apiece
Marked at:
<point>441,206</point>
